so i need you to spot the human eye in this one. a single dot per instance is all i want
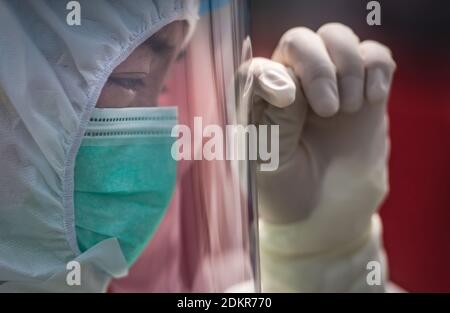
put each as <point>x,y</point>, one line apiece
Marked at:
<point>131,81</point>
<point>128,83</point>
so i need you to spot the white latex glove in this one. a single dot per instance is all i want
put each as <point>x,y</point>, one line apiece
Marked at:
<point>328,92</point>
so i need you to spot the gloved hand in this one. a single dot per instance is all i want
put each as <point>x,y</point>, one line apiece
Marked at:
<point>327,91</point>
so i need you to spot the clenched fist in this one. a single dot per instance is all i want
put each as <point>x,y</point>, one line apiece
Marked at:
<point>328,92</point>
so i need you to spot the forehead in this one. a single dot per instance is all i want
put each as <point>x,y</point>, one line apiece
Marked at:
<point>172,34</point>
<point>164,44</point>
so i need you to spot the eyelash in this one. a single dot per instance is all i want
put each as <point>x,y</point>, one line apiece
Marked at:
<point>128,83</point>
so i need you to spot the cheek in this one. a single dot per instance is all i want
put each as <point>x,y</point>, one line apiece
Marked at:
<point>115,97</point>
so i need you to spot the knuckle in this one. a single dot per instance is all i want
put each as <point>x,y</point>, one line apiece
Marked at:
<point>290,39</point>
<point>376,54</point>
<point>334,29</point>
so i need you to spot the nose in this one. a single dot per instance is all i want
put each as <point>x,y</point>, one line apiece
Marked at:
<point>147,96</point>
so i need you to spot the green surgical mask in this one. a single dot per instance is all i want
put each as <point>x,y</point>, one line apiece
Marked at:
<point>124,177</point>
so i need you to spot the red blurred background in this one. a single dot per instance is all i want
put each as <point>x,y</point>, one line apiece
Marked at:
<point>416,214</point>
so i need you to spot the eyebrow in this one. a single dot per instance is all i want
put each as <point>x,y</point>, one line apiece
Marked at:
<point>167,37</point>
<point>158,43</point>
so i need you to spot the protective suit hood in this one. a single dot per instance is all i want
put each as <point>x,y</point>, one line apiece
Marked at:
<point>51,75</point>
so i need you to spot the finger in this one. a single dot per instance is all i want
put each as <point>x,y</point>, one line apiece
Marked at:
<point>304,51</point>
<point>272,82</point>
<point>280,101</point>
<point>380,67</point>
<point>343,47</point>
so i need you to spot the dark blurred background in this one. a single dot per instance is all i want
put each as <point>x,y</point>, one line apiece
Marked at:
<point>416,214</point>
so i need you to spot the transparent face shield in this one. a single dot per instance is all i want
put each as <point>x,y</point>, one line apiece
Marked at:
<point>207,239</point>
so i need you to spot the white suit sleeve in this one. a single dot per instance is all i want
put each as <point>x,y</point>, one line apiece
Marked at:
<point>359,266</point>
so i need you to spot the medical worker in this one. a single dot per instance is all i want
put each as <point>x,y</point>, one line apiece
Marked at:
<point>81,131</point>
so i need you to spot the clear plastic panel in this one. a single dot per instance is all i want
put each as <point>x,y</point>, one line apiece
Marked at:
<point>207,240</point>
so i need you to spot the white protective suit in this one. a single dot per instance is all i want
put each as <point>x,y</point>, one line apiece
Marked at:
<point>51,75</point>
<point>50,78</point>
